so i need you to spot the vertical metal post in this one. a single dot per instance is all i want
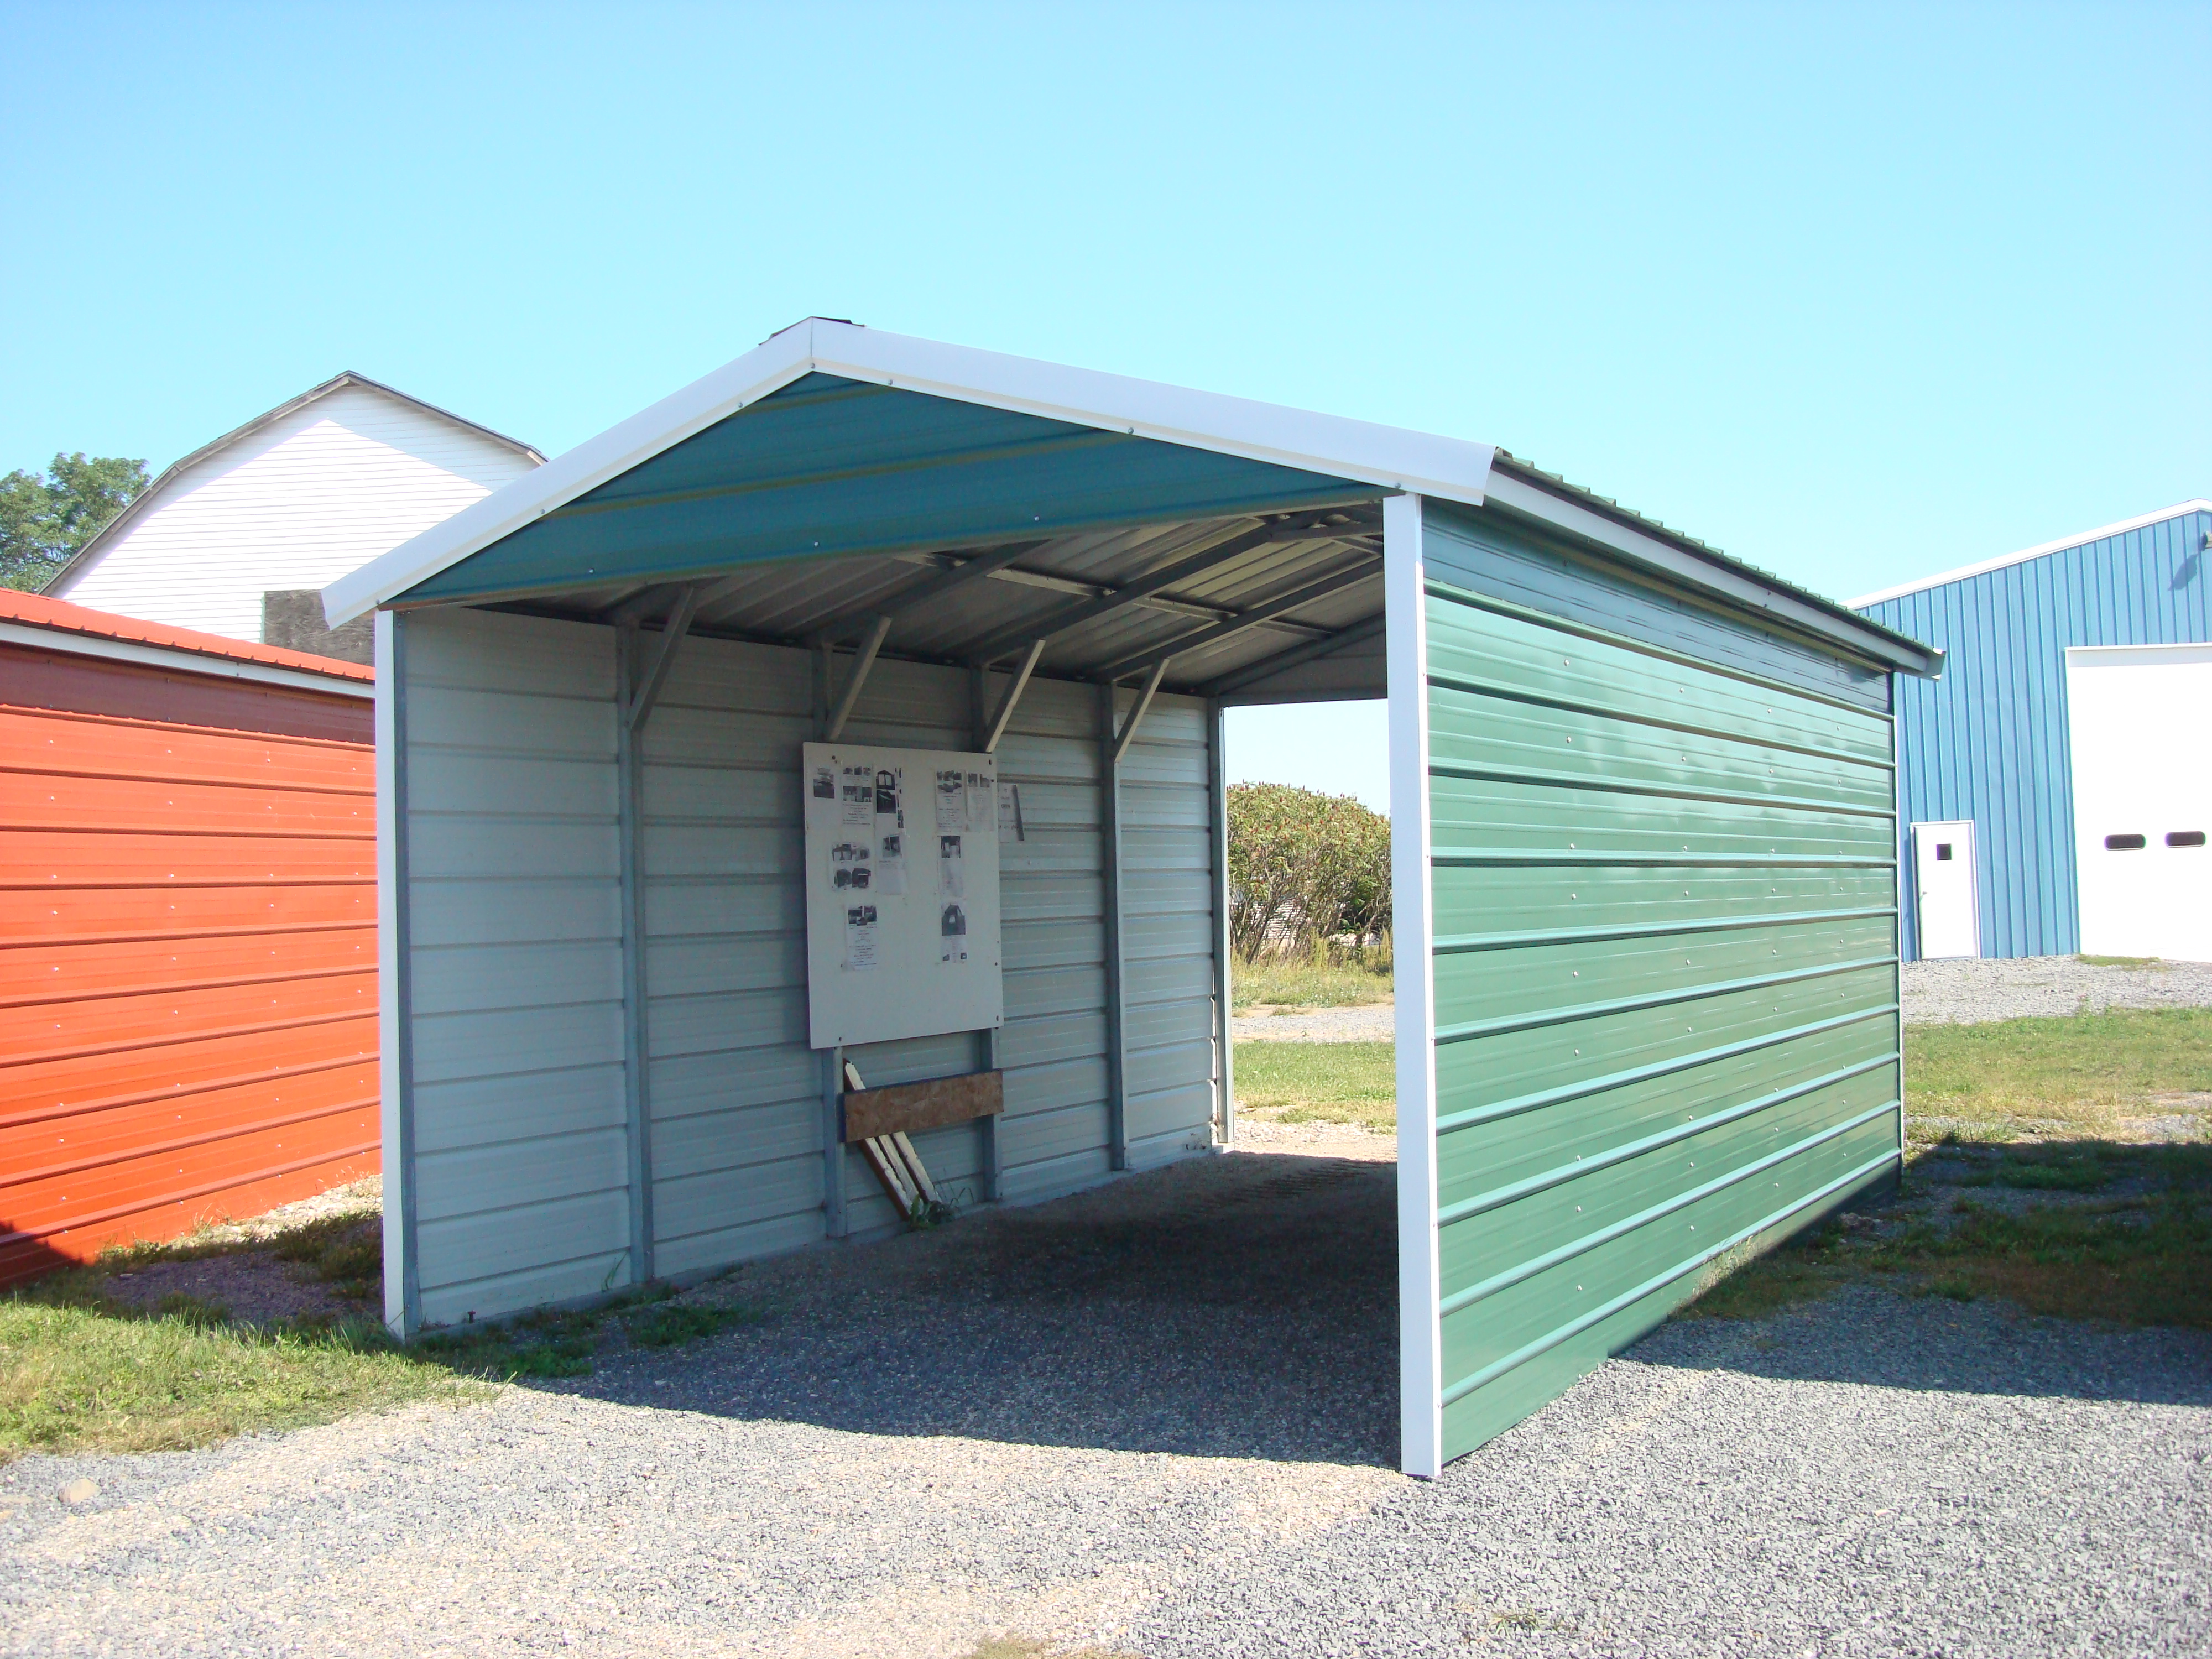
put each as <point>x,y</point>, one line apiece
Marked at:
<point>834,1222</point>
<point>987,1041</point>
<point>638,1089</point>
<point>1109,870</point>
<point>1224,1070</point>
<point>403,1283</point>
<point>1421,1306</point>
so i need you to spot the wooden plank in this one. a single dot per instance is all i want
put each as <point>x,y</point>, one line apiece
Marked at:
<point>910,1108</point>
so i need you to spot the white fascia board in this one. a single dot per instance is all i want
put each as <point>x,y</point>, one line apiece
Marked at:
<point>1420,1336</point>
<point>2061,545</point>
<point>1714,575</point>
<point>183,662</point>
<point>1390,457</point>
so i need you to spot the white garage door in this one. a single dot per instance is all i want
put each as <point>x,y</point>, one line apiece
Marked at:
<point>2141,720</point>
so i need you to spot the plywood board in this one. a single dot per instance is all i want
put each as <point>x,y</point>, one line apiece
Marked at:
<point>910,1108</point>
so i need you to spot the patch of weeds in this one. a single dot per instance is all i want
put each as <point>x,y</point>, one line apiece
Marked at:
<point>2122,961</point>
<point>1318,980</point>
<point>666,1326</point>
<point>345,1252</point>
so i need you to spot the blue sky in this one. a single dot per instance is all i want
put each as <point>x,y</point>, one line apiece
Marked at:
<point>1853,292</point>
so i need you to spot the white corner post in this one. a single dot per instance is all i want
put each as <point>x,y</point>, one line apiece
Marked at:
<point>1225,1069</point>
<point>1420,1362</point>
<point>395,1049</point>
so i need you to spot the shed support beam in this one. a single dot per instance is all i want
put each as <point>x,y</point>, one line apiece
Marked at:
<point>1270,667</point>
<point>637,1102</point>
<point>1128,732</point>
<point>988,732</point>
<point>1245,619</point>
<point>1128,594</point>
<point>991,1153</point>
<point>1224,1080</point>
<point>861,665</point>
<point>934,585</point>
<point>655,674</point>
<point>1109,859</point>
<point>402,1267</point>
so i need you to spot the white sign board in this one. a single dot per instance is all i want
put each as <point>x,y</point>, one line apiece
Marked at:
<point>902,893</point>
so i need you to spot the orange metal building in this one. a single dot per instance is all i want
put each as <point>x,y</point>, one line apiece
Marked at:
<point>188,1011</point>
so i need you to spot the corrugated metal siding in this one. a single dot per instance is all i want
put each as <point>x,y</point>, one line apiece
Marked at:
<point>297,505</point>
<point>1169,1061</point>
<point>829,466</point>
<point>1484,549</point>
<point>187,952</point>
<point>520,1102</point>
<point>1988,740</point>
<point>522,1172</point>
<point>1665,984</point>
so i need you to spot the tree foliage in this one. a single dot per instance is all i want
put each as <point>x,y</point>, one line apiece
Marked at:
<point>1305,869</point>
<point>46,517</point>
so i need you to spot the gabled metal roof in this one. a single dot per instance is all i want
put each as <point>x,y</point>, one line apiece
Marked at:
<point>2100,533</point>
<point>984,507</point>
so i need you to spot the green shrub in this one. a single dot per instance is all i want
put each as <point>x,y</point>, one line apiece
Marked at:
<point>1305,870</point>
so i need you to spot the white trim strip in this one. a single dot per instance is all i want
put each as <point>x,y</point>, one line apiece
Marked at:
<point>188,662</point>
<point>2061,545</point>
<point>1420,1354</point>
<point>1388,456</point>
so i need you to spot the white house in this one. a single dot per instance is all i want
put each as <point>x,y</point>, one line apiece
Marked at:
<point>239,537</point>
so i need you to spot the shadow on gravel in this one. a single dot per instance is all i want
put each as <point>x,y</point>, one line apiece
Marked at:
<point>1871,1335</point>
<point>1241,1306</point>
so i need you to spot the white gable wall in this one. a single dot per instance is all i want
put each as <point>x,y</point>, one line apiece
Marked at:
<point>297,505</point>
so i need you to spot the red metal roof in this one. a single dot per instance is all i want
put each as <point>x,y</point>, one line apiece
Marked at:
<point>36,610</point>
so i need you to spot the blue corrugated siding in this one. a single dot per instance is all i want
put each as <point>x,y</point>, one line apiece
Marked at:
<point>1988,740</point>
<point>829,466</point>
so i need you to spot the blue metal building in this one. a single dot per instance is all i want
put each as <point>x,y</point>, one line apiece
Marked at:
<point>1988,741</point>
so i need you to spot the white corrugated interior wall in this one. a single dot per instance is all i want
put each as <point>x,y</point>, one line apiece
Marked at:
<point>297,505</point>
<point>513,849</point>
<point>520,1097</point>
<point>1168,934</point>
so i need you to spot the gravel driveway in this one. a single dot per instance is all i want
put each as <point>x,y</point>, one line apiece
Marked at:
<point>1969,992</point>
<point>1161,1417</point>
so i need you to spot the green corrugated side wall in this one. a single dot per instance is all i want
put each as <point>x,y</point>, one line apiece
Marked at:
<point>1665,937</point>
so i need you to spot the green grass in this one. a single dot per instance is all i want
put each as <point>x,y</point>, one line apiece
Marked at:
<point>2117,1229</point>
<point>81,1372</point>
<point>1319,1081</point>
<point>2073,1074</point>
<point>1313,982</point>
<point>2122,961</point>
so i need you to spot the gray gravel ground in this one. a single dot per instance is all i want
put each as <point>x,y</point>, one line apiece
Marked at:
<point>1162,1416</point>
<point>1969,992</point>
<point>1370,1022</point>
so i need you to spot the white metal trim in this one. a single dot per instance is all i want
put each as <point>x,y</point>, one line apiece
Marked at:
<point>394,1116</point>
<point>2119,528</point>
<point>183,661</point>
<point>1420,1336</point>
<point>1388,456</point>
<point>2174,650</point>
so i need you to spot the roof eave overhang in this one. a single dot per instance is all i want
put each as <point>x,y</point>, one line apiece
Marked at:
<point>1718,578</point>
<point>1389,457</point>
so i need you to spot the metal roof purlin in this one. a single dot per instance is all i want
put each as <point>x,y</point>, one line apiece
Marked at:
<point>1388,457</point>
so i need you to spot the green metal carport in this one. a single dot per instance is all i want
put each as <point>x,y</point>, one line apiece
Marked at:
<point>1645,840</point>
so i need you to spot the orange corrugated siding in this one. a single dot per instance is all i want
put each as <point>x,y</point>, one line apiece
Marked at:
<point>187,952</point>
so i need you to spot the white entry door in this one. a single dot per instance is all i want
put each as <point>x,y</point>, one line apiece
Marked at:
<point>2140,726</point>
<point>1949,901</point>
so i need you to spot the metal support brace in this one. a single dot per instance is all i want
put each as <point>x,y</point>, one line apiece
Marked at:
<point>664,656</point>
<point>861,665</point>
<point>987,733</point>
<point>990,1157</point>
<point>638,1098</point>
<point>834,1224</point>
<point>1109,859</point>
<point>1217,733</point>
<point>1128,734</point>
